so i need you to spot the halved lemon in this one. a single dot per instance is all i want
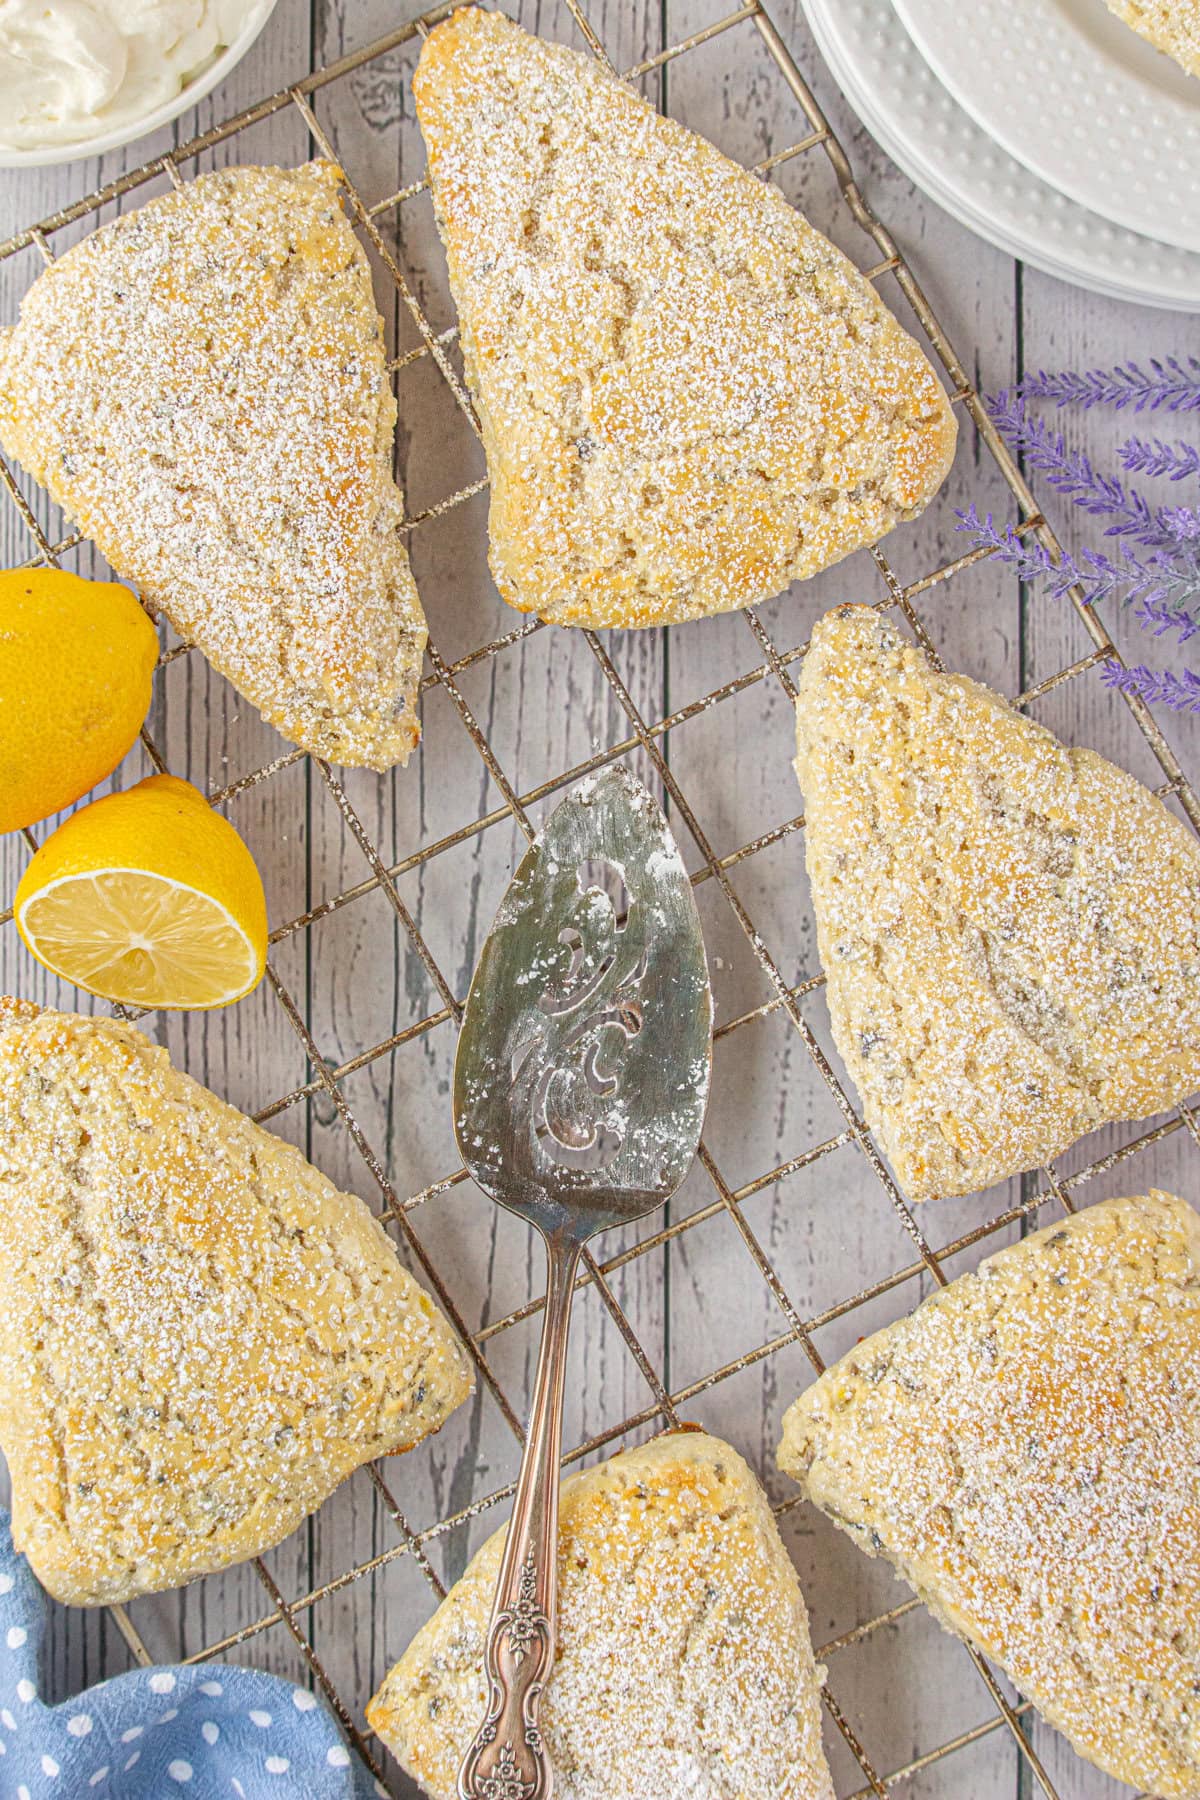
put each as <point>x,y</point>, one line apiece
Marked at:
<point>147,897</point>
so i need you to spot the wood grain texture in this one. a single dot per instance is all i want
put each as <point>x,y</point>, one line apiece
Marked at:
<point>356,976</point>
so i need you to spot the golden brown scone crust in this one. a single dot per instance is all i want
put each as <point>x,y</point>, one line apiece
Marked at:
<point>683,1666</point>
<point>1025,1449</point>
<point>202,387</point>
<point>200,1337</point>
<point>689,398</point>
<point>1170,25</point>
<point>1010,930</point>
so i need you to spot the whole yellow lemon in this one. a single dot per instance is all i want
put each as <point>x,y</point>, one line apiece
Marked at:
<point>76,667</point>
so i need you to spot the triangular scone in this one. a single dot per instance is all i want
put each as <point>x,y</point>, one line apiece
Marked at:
<point>200,1337</point>
<point>1172,26</point>
<point>689,397</point>
<point>1010,930</point>
<point>202,386</point>
<point>1025,1449</point>
<point>684,1665</point>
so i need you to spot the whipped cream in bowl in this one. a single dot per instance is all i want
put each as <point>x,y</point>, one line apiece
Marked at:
<point>81,76</point>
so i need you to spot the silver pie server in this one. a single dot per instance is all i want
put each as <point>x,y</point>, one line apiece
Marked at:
<point>579,1092</point>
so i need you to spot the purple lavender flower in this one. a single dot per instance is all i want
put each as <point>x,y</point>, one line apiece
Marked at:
<point>1161,579</point>
<point>1031,561</point>
<point>1073,474</point>
<point>1159,617</point>
<point>1171,384</point>
<point>1182,521</point>
<point>1100,578</point>
<point>1175,461</point>
<point>1158,687</point>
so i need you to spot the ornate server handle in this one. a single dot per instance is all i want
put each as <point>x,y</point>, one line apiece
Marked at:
<point>507,1759</point>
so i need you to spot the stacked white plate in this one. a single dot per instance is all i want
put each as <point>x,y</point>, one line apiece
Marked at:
<point>1047,126</point>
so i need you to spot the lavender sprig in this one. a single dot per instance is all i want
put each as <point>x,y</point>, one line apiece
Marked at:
<point>1031,561</point>
<point>1162,593</point>
<point>1170,384</point>
<point>1073,474</point>
<point>1160,616</point>
<point>1158,687</point>
<point>1183,522</point>
<point>1100,578</point>
<point>1156,567</point>
<point>1175,461</point>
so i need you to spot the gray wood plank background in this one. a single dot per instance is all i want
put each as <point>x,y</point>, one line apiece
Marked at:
<point>697,1301</point>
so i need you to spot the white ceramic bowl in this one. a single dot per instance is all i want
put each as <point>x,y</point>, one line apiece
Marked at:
<point>195,90</point>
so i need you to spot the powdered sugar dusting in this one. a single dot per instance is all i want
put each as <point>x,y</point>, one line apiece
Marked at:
<point>1010,930</point>
<point>688,396</point>
<point>684,1668</point>
<point>200,1335</point>
<point>1173,27</point>
<point>1025,1448</point>
<point>202,386</point>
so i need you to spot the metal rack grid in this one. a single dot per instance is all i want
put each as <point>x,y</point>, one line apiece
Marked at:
<point>650,737</point>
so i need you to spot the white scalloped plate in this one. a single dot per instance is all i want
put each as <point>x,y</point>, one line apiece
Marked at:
<point>924,130</point>
<point>1079,98</point>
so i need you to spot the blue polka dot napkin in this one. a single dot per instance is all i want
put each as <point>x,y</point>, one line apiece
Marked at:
<point>190,1733</point>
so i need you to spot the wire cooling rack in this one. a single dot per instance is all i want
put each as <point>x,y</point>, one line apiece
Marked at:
<point>649,741</point>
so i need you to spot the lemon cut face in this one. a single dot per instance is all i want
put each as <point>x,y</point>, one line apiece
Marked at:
<point>135,937</point>
<point>147,897</point>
